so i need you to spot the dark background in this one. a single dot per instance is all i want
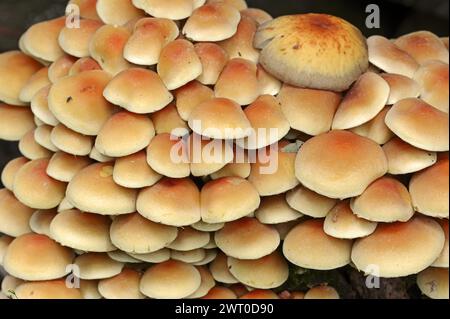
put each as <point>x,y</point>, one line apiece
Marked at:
<point>398,17</point>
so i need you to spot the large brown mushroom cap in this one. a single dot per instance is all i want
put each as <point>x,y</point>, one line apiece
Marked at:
<point>400,249</point>
<point>334,62</point>
<point>340,164</point>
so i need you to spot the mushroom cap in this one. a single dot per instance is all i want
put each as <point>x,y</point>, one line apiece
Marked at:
<point>268,272</point>
<point>40,109</point>
<point>179,64</point>
<point>60,68</point>
<point>220,271</point>
<point>167,156</point>
<point>123,257</point>
<point>220,118</point>
<point>404,158</point>
<point>238,82</point>
<point>401,87</point>
<point>70,141</point>
<point>75,41</point>
<point>14,216</point>
<point>310,203</point>
<point>288,40</point>
<point>247,239</point>
<point>15,122</point>
<point>430,191</point>
<point>268,84</point>
<point>41,39</point>
<point>420,125</point>
<point>341,222</point>
<point>443,260</point>
<point>213,59</point>
<point>16,69</point>
<point>189,239</point>
<point>34,188</point>
<point>340,164</point>
<point>376,129</point>
<point>35,257</point>
<point>385,55</point>
<point>88,8</point>
<point>400,249</point>
<point>238,4</point>
<point>133,171</point>
<point>36,82</point>
<point>160,203</point>
<point>189,96</point>
<point>63,167</point>
<point>83,65</point>
<point>433,283</point>
<point>433,79</point>
<point>168,120</point>
<point>207,283</point>
<point>117,12</point>
<point>273,172</point>
<point>220,293</point>
<point>212,22</point>
<point>93,190</point>
<point>138,90</point>
<point>275,210</point>
<point>228,199</point>
<point>210,255</point>
<point>209,156</point>
<point>82,231</point>
<point>29,148</point>
<point>309,111</point>
<point>150,36</point>
<point>239,167</point>
<point>5,241</point>
<point>77,101</point>
<point>135,234</point>
<point>65,205</point>
<point>308,246</point>
<point>190,256</point>
<point>240,45</point>
<point>42,136</point>
<point>386,201</point>
<point>114,138</point>
<point>260,294</point>
<point>123,286</point>
<point>99,157</point>
<point>156,257</point>
<point>423,46</point>
<point>366,99</point>
<point>174,10</point>
<point>259,15</point>
<point>171,279</point>
<point>94,266</point>
<point>107,46</point>
<point>41,220</point>
<point>10,170</point>
<point>322,292</point>
<point>207,227</point>
<point>56,289</point>
<point>268,122</point>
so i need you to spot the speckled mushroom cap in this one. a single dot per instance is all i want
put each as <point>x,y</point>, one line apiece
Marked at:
<point>55,289</point>
<point>123,286</point>
<point>433,79</point>
<point>433,283</point>
<point>14,216</point>
<point>430,191</point>
<point>308,246</point>
<point>268,272</point>
<point>247,239</point>
<point>15,122</point>
<point>93,190</point>
<point>16,68</point>
<point>228,199</point>
<point>172,279</point>
<point>400,249</point>
<point>160,202</point>
<point>34,188</point>
<point>77,101</point>
<point>82,231</point>
<point>94,266</point>
<point>36,257</point>
<point>134,234</point>
<point>287,40</point>
<point>340,164</point>
<point>386,200</point>
<point>420,125</point>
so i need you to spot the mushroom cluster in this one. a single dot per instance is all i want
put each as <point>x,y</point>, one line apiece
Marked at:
<point>199,148</point>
